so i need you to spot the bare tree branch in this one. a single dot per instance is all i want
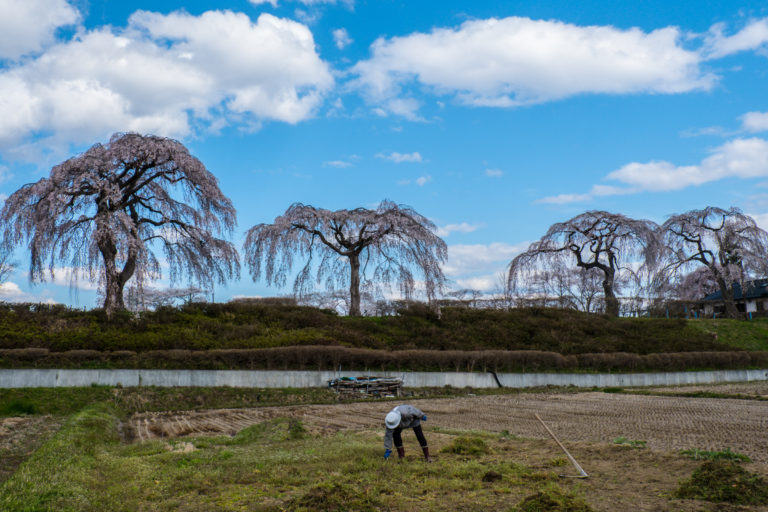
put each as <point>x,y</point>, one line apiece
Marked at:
<point>107,211</point>
<point>596,241</point>
<point>393,239</point>
<point>727,243</point>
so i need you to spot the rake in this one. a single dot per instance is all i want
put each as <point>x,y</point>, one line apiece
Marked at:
<point>582,473</point>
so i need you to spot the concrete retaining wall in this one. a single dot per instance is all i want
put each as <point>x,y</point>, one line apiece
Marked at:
<point>309,379</point>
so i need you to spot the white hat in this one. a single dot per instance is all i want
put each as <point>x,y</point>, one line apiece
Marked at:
<point>393,419</point>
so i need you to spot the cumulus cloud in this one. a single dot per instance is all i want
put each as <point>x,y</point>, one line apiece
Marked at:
<point>478,258</point>
<point>399,158</point>
<point>518,61</point>
<point>164,74</point>
<point>28,26</point>
<point>12,292</point>
<point>738,158</point>
<point>494,173</point>
<point>754,121</point>
<point>754,36</point>
<point>463,227</point>
<point>341,38</point>
<point>423,180</point>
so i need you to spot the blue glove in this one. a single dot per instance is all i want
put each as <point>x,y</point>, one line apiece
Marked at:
<point>387,453</point>
<point>424,418</point>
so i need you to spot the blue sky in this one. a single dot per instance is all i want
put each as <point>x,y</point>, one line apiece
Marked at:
<point>493,119</point>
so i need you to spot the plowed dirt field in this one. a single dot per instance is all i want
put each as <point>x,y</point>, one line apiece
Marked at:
<point>665,423</point>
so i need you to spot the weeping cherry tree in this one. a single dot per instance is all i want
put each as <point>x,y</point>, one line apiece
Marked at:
<point>608,243</point>
<point>106,212</point>
<point>727,243</point>
<point>355,248</point>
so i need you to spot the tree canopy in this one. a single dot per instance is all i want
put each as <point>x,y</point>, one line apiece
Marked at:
<point>609,243</point>
<point>727,243</point>
<point>106,212</point>
<point>358,248</point>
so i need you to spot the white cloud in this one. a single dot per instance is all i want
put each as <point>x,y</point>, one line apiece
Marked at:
<point>755,121</point>
<point>62,276</point>
<point>738,158</point>
<point>338,163</point>
<point>485,283</point>
<point>5,175</point>
<point>12,292</point>
<point>761,219</point>
<point>423,180</point>
<point>164,74</point>
<point>753,36</point>
<point>399,158</point>
<point>463,227</point>
<point>260,2</point>
<point>341,38</point>
<point>564,199</point>
<point>517,61</point>
<point>28,26</point>
<point>494,173</point>
<point>478,258</point>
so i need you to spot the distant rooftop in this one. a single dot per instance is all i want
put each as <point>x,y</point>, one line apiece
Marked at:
<point>752,290</point>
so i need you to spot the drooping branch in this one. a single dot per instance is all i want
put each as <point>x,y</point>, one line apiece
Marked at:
<point>355,248</point>
<point>727,243</point>
<point>107,211</point>
<point>596,241</point>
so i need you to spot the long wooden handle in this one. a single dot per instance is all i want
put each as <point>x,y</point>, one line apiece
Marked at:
<point>570,457</point>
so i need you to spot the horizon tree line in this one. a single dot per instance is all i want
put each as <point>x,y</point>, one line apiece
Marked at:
<point>109,213</point>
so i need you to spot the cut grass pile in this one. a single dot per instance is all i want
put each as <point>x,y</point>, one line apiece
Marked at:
<point>725,481</point>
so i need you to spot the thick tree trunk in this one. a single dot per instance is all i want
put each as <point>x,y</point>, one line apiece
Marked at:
<point>115,280</point>
<point>354,286</point>
<point>730,303</point>
<point>611,302</point>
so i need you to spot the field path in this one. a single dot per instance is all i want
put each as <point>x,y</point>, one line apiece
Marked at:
<point>665,423</point>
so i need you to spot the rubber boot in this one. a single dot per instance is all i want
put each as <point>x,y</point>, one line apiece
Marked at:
<point>427,458</point>
<point>400,452</point>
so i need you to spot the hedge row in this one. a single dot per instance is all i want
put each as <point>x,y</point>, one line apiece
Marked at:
<point>334,357</point>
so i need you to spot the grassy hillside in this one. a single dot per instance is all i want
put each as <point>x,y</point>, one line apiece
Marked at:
<point>740,334</point>
<point>230,326</point>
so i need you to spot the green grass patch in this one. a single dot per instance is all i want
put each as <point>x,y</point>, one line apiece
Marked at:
<point>55,401</point>
<point>17,407</point>
<point>747,335</point>
<point>724,481</point>
<point>208,326</point>
<point>623,441</point>
<point>727,454</point>
<point>273,466</point>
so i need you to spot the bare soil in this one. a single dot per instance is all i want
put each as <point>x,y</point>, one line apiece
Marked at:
<point>20,436</point>
<point>665,423</point>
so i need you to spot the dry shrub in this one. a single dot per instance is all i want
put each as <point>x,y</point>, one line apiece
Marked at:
<point>173,356</point>
<point>121,355</point>
<point>25,354</point>
<point>80,355</point>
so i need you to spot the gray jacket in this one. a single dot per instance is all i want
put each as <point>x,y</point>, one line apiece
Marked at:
<point>410,417</point>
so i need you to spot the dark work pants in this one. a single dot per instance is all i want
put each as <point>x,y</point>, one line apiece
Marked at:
<point>398,439</point>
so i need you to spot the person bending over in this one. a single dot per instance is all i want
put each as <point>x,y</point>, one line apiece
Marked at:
<point>404,416</point>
